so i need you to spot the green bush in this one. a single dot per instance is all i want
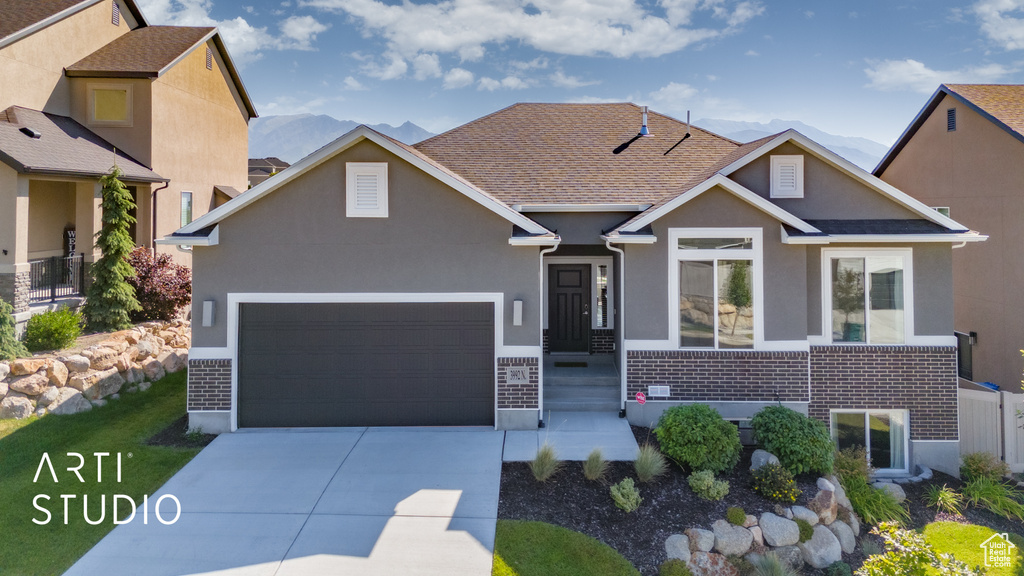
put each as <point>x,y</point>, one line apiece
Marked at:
<point>695,435</point>
<point>10,347</point>
<point>736,515</point>
<point>650,463</point>
<point>997,497</point>
<point>983,465</point>
<point>801,443</point>
<point>53,330</point>
<point>673,567</point>
<point>839,568</point>
<point>776,483</point>
<point>595,466</point>
<point>771,565</point>
<point>545,463</point>
<point>806,530</point>
<point>907,552</point>
<point>870,504</point>
<point>944,499</point>
<point>853,462</point>
<point>626,496</point>
<point>703,483</point>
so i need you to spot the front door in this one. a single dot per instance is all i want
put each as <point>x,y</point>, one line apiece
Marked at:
<point>569,308</point>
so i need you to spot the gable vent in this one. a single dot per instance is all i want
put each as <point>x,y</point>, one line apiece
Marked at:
<point>787,176</point>
<point>366,189</point>
<point>366,192</point>
<point>209,59</point>
<point>115,15</point>
<point>951,120</point>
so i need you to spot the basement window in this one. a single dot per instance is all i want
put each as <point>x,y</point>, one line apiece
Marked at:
<point>951,120</point>
<point>366,189</point>
<point>110,104</point>
<point>787,176</point>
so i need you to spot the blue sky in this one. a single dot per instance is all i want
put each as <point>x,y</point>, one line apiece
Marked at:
<point>860,68</point>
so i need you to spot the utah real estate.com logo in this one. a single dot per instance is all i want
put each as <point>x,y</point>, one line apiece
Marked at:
<point>998,551</point>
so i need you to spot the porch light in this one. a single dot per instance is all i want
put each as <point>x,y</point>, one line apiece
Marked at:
<point>209,307</point>
<point>517,312</point>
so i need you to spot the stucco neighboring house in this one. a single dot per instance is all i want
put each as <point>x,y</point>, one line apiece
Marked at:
<point>89,83</point>
<point>262,168</point>
<point>442,283</point>
<point>964,155</point>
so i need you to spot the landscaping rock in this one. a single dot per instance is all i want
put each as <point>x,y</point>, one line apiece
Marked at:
<point>758,535</point>
<point>77,363</point>
<point>143,386</point>
<point>26,366</point>
<point>700,540</point>
<point>123,362</point>
<point>825,484</point>
<point>824,505</point>
<point>99,402</point>
<point>845,535</point>
<point>790,555</point>
<point>40,412</point>
<point>31,385</point>
<point>3,389</point>
<point>104,384</point>
<point>153,369</point>
<point>822,549</point>
<point>779,531</point>
<point>731,540</point>
<point>69,401</point>
<point>16,407</point>
<point>711,564</point>
<point>749,521</point>
<point>104,358</point>
<point>147,349</point>
<point>760,458</point>
<point>5,369</point>
<point>806,515</point>
<point>894,489</point>
<point>853,522</point>
<point>925,473</point>
<point>57,373</point>
<point>678,547</point>
<point>841,497</point>
<point>48,396</point>
<point>173,361</point>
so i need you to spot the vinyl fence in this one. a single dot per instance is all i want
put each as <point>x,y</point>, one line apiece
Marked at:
<point>989,422</point>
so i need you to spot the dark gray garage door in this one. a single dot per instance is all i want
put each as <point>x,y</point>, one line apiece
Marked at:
<point>390,364</point>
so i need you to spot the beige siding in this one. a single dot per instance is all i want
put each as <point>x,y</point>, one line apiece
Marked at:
<point>51,207</point>
<point>133,140</point>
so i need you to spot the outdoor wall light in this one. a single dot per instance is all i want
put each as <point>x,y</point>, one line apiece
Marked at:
<point>209,309</point>
<point>517,312</point>
<point>974,338</point>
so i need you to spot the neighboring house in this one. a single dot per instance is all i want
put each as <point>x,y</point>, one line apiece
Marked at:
<point>964,155</point>
<point>262,168</point>
<point>375,283</point>
<point>84,85</point>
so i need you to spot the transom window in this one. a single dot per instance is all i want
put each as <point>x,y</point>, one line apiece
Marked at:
<point>717,290</point>
<point>868,296</point>
<point>882,432</point>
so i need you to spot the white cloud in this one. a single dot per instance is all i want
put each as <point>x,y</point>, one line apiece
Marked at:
<point>299,32</point>
<point>426,66</point>
<point>538,63</point>
<point>752,53</point>
<point>457,78</point>
<point>677,99</point>
<point>562,81</point>
<point>893,75</point>
<point>508,82</point>
<point>394,67</point>
<point>673,92</point>
<point>1000,21</point>
<point>352,84</point>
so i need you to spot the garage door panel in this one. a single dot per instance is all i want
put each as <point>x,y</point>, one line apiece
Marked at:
<point>349,364</point>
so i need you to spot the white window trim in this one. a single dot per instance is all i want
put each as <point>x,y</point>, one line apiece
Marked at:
<point>867,412</point>
<point>379,169</point>
<point>90,90</point>
<point>777,161</point>
<point>594,262</point>
<point>756,255</point>
<point>907,254</point>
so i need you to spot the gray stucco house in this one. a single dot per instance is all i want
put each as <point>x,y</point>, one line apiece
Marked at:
<point>375,283</point>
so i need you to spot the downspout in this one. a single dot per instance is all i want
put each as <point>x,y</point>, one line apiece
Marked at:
<point>620,319</point>
<point>152,223</point>
<point>540,313</point>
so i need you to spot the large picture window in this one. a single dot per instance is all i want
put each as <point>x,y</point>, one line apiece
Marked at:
<point>867,296</point>
<point>110,104</point>
<point>882,432</point>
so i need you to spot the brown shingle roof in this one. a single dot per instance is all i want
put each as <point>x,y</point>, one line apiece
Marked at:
<point>20,14</point>
<point>141,53</point>
<point>565,154</point>
<point>1004,102</point>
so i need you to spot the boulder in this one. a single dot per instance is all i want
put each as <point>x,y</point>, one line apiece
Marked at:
<point>123,362</point>
<point>758,535</point>
<point>805,515</point>
<point>825,484</point>
<point>731,540</point>
<point>894,489</point>
<point>841,497</point>
<point>16,407</point>
<point>845,535</point>
<point>31,385</point>
<point>153,369</point>
<point>4,388</point>
<point>77,363</point>
<point>104,383</point>
<point>173,361</point>
<point>700,540</point>
<point>132,337</point>
<point>824,505</point>
<point>69,401</point>
<point>5,369</point>
<point>760,458</point>
<point>47,397</point>
<point>146,349</point>
<point>57,373</point>
<point>822,549</point>
<point>143,386</point>
<point>710,564</point>
<point>853,522</point>
<point>118,345</point>
<point>779,531</point>
<point>925,473</point>
<point>26,366</point>
<point>678,547</point>
<point>99,403</point>
<point>790,555</point>
<point>104,358</point>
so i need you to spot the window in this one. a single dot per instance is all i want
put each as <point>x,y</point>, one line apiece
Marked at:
<point>882,432</point>
<point>110,104</point>
<point>787,176</point>
<point>186,208</point>
<point>944,210</point>
<point>366,189</point>
<point>716,292</point>
<point>951,120</point>
<point>601,281</point>
<point>868,295</point>
<point>965,355</point>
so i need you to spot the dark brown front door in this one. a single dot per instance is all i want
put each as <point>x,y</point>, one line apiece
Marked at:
<point>569,308</point>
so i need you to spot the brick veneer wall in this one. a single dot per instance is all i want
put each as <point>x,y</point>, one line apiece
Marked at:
<point>209,385</point>
<point>518,395</point>
<point>602,341</point>
<point>718,376</point>
<point>922,379</point>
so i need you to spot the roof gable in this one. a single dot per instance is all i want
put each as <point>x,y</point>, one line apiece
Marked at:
<point>24,17</point>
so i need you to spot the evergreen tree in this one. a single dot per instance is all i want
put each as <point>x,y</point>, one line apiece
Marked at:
<point>10,347</point>
<point>738,289</point>
<point>110,300</point>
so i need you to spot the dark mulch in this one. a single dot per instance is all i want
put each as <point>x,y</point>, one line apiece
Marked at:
<point>669,506</point>
<point>176,435</point>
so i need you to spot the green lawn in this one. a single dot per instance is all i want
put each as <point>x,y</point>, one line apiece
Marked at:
<point>962,541</point>
<point>539,549</point>
<point>119,427</point>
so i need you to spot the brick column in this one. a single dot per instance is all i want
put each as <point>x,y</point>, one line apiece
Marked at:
<point>209,385</point>
<point>520,394</point>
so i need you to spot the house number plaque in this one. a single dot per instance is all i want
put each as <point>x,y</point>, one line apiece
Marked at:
<point>517,375</point>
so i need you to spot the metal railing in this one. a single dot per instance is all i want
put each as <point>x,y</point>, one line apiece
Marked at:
<point>56,277</point>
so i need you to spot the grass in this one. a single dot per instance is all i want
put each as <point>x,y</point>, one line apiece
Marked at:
<point>122,426</point>
<point>538,549</point>
<point>963,540</point>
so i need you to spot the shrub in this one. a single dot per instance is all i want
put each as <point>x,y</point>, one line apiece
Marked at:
<point>771,565</point>
<point>775,483</point>
<point>110,299</point>
<point>10,347</point>
<point>853,462</point>
<point>53,330</point>
<point>673,567</point>
<point>801,443</point>
<point>997,497</point>
<point>626,496</point>
<point>983,465</point>
<point>944,499</point>
<point>703,483</point>
<point>839,568</point>
<point>650,463</point>
<point>907,552</point>
<point>736,515</point>
<point>162,287</point>
<point>595,466</point>
<point>697,436</point>
<point>545,463</point>
<point>806,530</point>
<point>872,505</point>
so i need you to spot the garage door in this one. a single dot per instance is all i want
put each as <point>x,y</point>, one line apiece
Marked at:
<point>408,364</point>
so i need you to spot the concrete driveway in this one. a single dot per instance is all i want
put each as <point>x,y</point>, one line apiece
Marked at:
<point>321,501</point>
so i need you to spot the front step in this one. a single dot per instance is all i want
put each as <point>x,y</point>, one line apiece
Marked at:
<point>578,397</point>
<point>578,405</point>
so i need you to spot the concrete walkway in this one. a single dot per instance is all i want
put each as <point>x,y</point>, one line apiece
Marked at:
<point>377,501</point>
<point>574,435</point>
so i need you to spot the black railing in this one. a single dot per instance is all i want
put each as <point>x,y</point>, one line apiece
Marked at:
<point>56,277</point>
